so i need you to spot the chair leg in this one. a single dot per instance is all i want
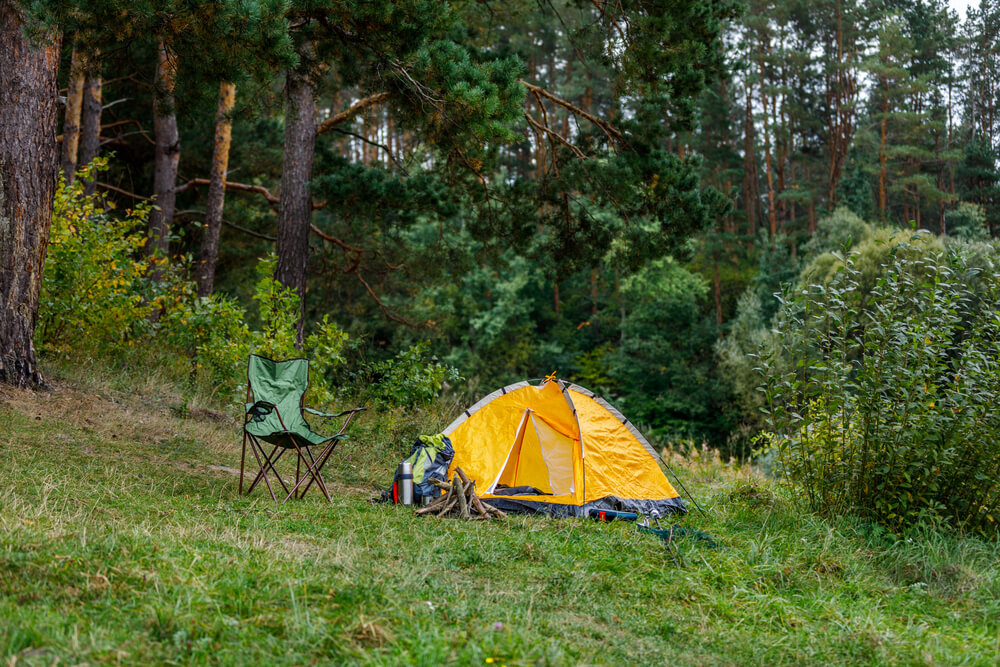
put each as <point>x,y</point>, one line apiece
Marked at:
<point>323,456</point>
<point>317,476</point>
<point>270,464</point>
<point>243,457</point>
<point>311,473</point>
<point>263,471</point>
<point>298,451</point>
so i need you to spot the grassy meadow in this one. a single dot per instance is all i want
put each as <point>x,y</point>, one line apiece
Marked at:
<point>123,540</point>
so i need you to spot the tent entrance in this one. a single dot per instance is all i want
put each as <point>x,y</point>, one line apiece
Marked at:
<point>540,457</point>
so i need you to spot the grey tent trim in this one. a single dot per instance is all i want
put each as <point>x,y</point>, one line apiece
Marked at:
<point>489,398</point>
<point>618,415</point>
<point>522,504</point>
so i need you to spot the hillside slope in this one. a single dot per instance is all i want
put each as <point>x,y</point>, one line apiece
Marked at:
<point>122,539</point>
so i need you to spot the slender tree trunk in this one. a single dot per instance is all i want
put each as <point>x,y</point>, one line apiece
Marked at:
<point>771,212</point>
<point>882,156</point>
<point>28,171</point>
<point>295,209</point>
<point>209,252</point>
<point>784,139</point>
<point>621,308</point>
<point>749,161</point>
<point>90,125</point>
<point>717,291</point>
<point>167,157</point>
<point>71,122</point>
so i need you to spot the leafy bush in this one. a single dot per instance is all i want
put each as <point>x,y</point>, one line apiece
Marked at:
<point>214,332</point>
<point>968,221</point>
<point>409,378</point>
<point>760,315</point>
<point>880,397</point>
<point>92,290</point>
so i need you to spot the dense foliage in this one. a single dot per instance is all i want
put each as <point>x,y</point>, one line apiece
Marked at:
<point>880,377</point>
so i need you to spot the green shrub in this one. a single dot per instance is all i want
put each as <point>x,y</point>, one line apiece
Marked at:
<point>214,333</point>
<point>664,360</point>
<point>968,221</point>
<point>409,378</point>
<point>91,298</point>
<point>880,399</point>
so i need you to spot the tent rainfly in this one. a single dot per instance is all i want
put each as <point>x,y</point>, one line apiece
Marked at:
<point>558,448</point>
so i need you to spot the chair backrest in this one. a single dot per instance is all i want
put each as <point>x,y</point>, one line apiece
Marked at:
<point>280,382</point>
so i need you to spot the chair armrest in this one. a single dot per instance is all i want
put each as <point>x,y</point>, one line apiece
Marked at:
<point>260,408</point>
<point>328,414</point>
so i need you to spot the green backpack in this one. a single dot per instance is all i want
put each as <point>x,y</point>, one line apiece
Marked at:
<point>430,457</point>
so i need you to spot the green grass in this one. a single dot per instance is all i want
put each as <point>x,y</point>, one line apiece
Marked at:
<point>122,539</point>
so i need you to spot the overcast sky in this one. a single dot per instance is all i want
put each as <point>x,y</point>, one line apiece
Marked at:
<point>961,5</point>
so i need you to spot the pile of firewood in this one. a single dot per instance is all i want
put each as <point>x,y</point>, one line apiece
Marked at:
<point>460,500</point>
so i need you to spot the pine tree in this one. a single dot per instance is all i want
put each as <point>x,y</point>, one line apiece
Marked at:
<point>28,166</point>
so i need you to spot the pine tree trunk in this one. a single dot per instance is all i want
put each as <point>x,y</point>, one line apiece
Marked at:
<point>749,168</point>
<point>167,155</point>
<point>771,212</point>
<point>295,209</point>
<point>882,156</point>
<point>209,252</point>
<point>717,291</point>
<point>90,124</point>
<point>28,171</point>
<point>71,122</point>
<point>812,201</point>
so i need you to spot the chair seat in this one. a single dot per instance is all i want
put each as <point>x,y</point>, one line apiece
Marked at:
<point>308,437</point>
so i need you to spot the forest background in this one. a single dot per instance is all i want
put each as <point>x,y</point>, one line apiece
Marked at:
<point>421,195</point>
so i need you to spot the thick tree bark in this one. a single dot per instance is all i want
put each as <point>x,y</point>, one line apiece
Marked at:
<point>71,122</point>
<point>28,170</point>
<point>167,155</point>
<point>209,253</point>
<point>295,209</point>
<point>90,123</point>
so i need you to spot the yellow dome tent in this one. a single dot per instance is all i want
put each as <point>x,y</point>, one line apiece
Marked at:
<point>558,448</point>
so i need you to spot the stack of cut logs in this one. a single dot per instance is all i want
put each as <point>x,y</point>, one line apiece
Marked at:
<point>460,500</point>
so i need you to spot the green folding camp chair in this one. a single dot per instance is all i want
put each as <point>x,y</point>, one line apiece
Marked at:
<point>274,415</point>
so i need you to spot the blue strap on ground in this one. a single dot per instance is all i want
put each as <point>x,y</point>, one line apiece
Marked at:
<point>667,534</point>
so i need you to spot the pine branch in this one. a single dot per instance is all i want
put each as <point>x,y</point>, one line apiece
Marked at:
<point>272,199</point>
<point>558,137</point>
<point>371,142</point>
<point>385,309</point>
<point>233,225</point>
<point>607,128</point>
<point>108,186</point>
<point>351,112</point>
